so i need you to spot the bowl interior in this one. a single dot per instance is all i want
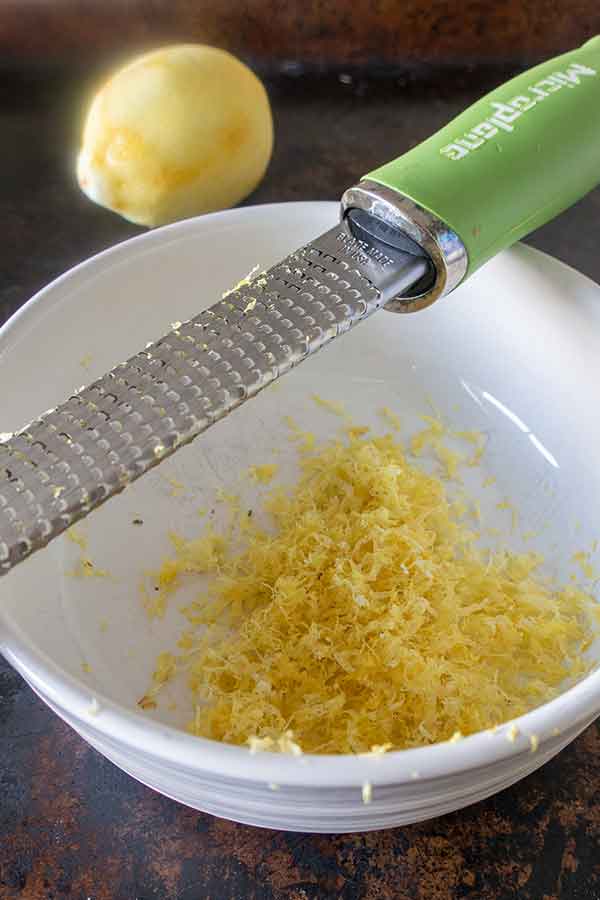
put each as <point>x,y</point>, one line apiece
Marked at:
<point>513,354</point>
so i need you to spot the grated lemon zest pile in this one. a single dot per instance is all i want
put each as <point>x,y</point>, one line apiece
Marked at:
<point>369,618</point>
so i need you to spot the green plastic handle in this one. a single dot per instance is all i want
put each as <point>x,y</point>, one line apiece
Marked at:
<point>512,161</point>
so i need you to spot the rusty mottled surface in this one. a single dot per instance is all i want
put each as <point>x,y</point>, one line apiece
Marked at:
<point>72,826</point>
<point>314,32</point>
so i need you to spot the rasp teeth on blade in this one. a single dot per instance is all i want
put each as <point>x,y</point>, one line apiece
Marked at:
<point>76,456</point>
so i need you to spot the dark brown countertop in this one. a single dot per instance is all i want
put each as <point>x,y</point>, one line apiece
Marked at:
<point>319,33</point>
<point>72,826</point>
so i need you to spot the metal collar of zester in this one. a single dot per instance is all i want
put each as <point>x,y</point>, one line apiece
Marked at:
<point>379,215</point>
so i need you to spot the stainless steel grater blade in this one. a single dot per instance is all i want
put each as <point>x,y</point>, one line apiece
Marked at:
<point>73,458</point>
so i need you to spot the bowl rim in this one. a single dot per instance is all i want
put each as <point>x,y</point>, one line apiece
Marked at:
<point>571,710</point>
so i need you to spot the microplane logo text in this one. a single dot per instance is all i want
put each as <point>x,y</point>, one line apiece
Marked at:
<point>505,114</point>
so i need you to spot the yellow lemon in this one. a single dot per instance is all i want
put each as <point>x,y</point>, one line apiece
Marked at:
<point>179,131</point>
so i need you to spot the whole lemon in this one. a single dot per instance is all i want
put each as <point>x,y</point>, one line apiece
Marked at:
<point>179,131</point>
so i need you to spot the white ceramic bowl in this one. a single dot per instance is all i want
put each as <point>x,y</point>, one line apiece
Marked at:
<point>514,353</point>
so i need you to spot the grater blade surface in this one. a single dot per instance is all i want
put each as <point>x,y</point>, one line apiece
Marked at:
<point>73,458</point>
